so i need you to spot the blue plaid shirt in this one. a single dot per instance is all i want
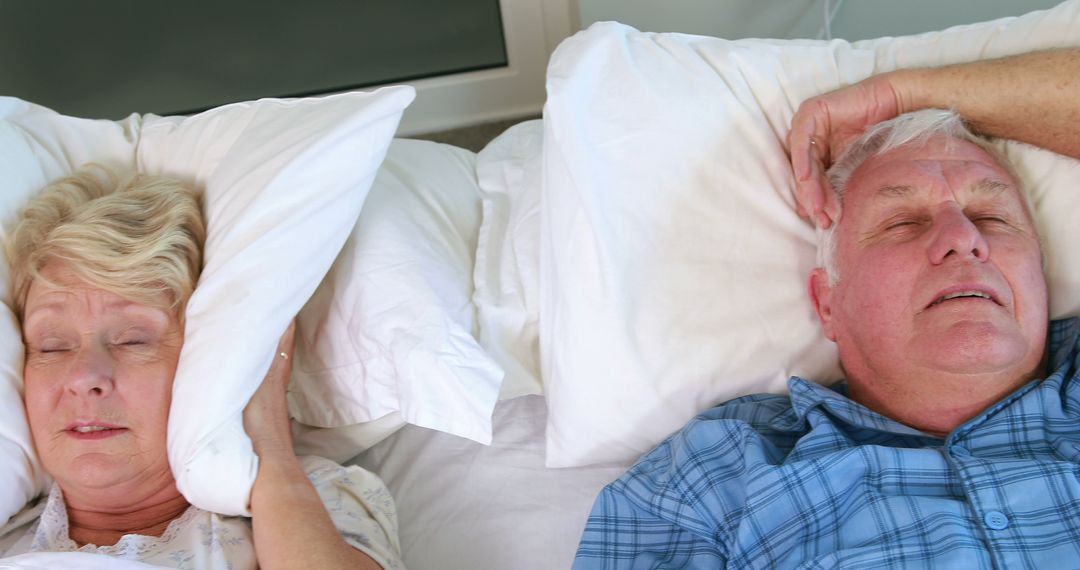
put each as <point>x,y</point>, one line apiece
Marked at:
<point>816,480</point>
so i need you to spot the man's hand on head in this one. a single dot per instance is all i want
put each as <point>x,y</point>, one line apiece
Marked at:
<point>822,128</point>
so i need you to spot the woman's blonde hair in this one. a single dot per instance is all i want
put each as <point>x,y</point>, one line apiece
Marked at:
<point>137,236</point>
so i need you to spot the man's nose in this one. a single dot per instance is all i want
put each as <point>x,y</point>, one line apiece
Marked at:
<point>957,237</point>
<point>91,372</point>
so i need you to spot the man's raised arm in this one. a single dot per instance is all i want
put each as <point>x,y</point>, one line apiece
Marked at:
<point>1033,98</point>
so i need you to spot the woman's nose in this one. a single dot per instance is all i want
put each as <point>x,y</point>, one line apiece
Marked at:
<point>956,237</point>
<point>91,371</point>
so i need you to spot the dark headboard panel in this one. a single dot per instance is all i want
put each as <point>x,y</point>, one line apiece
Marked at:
<point>108,58</point>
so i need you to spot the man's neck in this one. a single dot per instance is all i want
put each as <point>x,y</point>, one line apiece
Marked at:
<point>149,517</point>
<point>938,403</point>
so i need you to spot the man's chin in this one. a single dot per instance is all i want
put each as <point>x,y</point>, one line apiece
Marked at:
<point>974,347</point>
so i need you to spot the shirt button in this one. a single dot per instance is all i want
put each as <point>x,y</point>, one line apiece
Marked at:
<point>996,520</point>
<point>960,451</point>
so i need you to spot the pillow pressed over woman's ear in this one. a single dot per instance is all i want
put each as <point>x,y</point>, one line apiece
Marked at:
<point>284,182</point>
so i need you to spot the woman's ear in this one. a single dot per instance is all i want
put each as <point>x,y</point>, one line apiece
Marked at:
<point>821,295</point>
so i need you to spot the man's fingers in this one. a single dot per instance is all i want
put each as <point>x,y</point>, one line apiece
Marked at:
<point>801,158</point>
<point>808,197</point>
<point>832,205</point>
<point>819,188</point>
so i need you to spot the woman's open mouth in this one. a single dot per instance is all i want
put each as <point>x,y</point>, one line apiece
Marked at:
<point>92,432</point>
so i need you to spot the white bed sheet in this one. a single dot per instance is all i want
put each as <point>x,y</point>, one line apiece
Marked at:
<point>462,505</point>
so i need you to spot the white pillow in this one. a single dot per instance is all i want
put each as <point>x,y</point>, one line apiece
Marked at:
<point>507,269</point>
<point>390,332</point>
<point>284,182</point>
<point>673,265</point>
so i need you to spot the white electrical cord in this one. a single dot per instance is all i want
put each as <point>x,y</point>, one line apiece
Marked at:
<point>828,16</point>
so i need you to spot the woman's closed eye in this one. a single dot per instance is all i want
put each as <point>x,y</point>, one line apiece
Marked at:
<point>48,351</point>
<point>132,337</point>
<point>49,345</point>
<point>132,342</point>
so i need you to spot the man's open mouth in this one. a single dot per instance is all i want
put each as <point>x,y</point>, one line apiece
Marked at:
<point>961,295</point>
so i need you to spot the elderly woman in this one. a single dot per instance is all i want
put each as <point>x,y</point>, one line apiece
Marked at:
<point>101,272</point>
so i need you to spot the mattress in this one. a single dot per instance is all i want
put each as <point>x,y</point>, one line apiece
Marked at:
<point>463,505</point>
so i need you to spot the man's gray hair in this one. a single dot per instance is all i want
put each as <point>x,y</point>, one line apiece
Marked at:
<point>916,127</point>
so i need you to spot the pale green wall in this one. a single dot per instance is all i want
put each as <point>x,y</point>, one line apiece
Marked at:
<point>856,19</point>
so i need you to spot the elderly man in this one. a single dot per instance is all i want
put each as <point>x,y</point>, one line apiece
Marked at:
<point>954,441</point>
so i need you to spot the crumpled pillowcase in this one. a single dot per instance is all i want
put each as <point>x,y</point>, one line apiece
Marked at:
<point>672,264</point>
<point>284,183</point>
<point>507,266</point>
<point>389,336</point>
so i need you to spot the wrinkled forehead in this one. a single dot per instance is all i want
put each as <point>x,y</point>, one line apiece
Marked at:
<point>61,294</point>
<point>941,168</point>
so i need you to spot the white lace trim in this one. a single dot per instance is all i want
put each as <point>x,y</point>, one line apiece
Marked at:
<point>53,533</point>
<point>357,501</point>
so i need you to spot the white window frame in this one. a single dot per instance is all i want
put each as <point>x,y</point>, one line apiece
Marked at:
<point>532,29</point>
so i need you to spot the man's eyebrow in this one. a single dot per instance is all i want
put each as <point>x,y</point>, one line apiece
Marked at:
<point>992,186</point>
<point>895,191</point>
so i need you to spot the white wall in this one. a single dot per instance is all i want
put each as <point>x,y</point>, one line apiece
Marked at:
<point>855,19</point>
<point>861,19</point>
<point>721,18</point>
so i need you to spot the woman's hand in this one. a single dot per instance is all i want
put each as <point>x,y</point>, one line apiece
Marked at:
<point>266,417</point>
<point>291,526</point>
<point>820,131</point>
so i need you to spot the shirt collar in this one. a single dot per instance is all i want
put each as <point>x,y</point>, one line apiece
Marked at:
<point>807,396</point>
<point>1064,340</point>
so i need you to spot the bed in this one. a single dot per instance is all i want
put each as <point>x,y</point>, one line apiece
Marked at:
<point>499,334</point>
